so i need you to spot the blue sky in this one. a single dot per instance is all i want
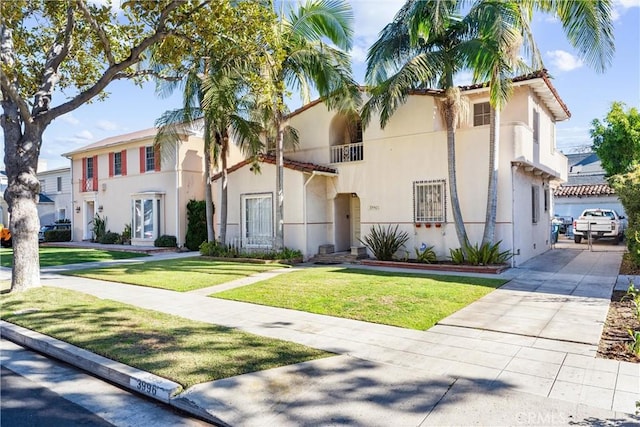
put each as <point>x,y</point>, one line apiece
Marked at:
<point>587,93</point>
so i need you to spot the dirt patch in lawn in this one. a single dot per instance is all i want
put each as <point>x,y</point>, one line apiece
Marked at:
<point>615,339</point>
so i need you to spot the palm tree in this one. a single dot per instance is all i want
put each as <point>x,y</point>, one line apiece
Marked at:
<point>588,27</point>
<point>301,60</point>
<point>424,46</point>
<point>216,94</point>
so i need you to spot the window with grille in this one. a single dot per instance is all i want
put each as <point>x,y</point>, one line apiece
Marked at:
<point>481,114</point>
<point>429,201</point>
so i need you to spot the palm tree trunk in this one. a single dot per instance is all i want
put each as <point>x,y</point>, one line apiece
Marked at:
<point>224,195</point>
<point>451,107</point>
<point>279,240</point>
<point>208,197</point>
<point>492,189</point>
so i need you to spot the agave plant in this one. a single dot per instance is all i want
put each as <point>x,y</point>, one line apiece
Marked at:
<point>384,243</point>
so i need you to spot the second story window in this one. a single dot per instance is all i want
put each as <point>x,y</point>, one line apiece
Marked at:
<point>59,183</point>
<point>149,159</point>
<point>481,114</point>
<point>89,168</point>
<point>117,163</point>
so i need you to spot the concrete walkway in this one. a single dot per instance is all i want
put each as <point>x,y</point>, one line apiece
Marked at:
<point>524,354</point>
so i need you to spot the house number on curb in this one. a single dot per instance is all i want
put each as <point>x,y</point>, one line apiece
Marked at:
<point>150,389</point>
<point>147,388</point>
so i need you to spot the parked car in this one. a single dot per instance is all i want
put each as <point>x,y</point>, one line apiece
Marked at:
<point>600,224</point>
<point>5,237</point>
<point>45,228</point>
<point>562,222</point>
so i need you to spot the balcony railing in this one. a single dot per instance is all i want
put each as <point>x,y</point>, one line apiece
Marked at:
<point>347,153</point>
<point>87,185</point>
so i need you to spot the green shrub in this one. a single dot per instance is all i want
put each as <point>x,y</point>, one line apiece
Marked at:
<point>125,237</point>
<point>99,227</point>
<point>457,256</point>
<point>384,243</point>
<point>166,241</point>
<point>109,238</point>
<point>196,224</point>
<point>425,254</point>
<point>57,236</point>
<point>214,249</point>
<point>485,254</point>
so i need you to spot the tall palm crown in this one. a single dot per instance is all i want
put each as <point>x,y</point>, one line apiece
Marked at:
<point>301,60</point>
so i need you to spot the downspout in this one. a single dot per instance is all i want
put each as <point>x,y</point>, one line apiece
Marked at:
<point>513,214</point>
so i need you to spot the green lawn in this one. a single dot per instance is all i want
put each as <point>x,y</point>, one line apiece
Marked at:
<point>184,351</point>
<point>407,300</point>
<point>182,275</point>
<point>51,256</point>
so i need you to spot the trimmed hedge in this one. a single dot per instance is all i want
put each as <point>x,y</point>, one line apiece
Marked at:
<point>57,236</point>
<point>166,241</point>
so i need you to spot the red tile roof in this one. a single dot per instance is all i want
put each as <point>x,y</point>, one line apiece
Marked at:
<point>584,190</point>
<point>289,164</point>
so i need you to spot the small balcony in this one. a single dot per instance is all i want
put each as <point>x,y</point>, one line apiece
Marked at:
<point>347,153</point>
<point>88,185</point>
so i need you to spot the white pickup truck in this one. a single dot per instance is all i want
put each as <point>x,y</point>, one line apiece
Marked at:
<point>601,223</point>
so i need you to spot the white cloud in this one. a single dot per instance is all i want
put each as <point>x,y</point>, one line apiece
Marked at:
<point>626,4</point>
<point>115,4</point>
<point>370,17</point>
<point>463,78</point>
<point>107,125</point>
<point>564,61</point>
<point>70,119</point>
<point>83,135</point>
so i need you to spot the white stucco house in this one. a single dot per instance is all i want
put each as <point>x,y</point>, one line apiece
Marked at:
<point>341,181</point>
<point>586,188</point>
<point>129,181</point>
<point>55,202</point>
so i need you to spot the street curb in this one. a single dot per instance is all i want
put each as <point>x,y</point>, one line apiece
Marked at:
<point>136,380</point>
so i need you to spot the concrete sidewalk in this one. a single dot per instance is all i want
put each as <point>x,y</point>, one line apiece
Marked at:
<point>523,354</point>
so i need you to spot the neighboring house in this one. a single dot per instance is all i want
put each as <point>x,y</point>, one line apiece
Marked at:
<point>585,188</point>
<point>55,203</point>
<point>128,180</point>
<point>341,181</point>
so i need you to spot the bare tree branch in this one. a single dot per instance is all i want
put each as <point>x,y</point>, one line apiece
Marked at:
<point>98,29</point>
<point>117,68</point>
<point>55,56</point>
<point>7,56</point>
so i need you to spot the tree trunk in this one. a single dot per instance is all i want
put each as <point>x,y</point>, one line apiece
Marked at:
<point>461,232</point>
<point>21,158</point>
<point>492,189</point>
<point>224,195</point>
<point>279,241</point>
<point>208,198</point>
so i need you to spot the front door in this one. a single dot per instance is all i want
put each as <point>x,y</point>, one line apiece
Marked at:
<point>347,221</point>
<point>89,213</point>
